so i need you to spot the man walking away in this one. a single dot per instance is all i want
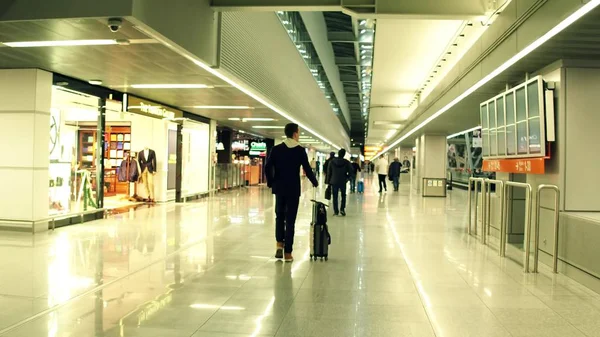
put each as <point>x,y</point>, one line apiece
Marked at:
<point>339,172</point>
<point>382,171</point>
<point>318,174</point>
<point>283,176</point>
<point>326,164</point>
<point>355,170</point>
<point>395,168</point>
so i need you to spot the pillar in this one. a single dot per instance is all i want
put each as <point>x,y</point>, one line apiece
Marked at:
<point>431,158</point>
<point>212,153</point>
<point>225,136</point>
<point>25,101</point>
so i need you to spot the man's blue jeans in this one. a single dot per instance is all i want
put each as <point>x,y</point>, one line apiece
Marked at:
<point>353,185</point>
<point>396,181</point>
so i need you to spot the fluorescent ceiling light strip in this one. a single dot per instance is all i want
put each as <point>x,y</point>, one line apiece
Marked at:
<point>233,83</point>
<point>171,86</point>
<point>513,60</point>
<point>259,99</point>
<point>463,132</point>
<point>63,43</point>
<point>267,127</point>
<point>222,107</point>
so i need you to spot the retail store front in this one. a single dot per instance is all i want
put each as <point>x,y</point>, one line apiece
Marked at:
<point>136,152</point>
<point>74,153</point>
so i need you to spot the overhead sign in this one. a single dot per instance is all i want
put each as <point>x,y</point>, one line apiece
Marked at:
<point>258,146</point>
<point>240,145</point>
<point>151,109</point>
<point>527,166</point>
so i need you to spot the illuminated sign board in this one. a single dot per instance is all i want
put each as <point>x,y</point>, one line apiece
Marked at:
<point>151,109</point>
<point>240,145</point>
<point>258,146</point>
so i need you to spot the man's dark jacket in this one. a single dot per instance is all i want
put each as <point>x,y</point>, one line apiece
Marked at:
<point>395,168</point>
<point>339,172</point>
<point>283,169</point>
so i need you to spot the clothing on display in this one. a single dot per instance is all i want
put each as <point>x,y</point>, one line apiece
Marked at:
<point>129,170</point>
<point>147,161</point>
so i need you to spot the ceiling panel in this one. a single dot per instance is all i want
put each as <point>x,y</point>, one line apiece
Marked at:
<point>120,66</point>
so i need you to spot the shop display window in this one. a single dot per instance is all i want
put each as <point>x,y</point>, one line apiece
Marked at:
<point>533,108</point>
<point>73,153</point>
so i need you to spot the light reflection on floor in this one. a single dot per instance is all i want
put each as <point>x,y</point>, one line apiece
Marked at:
<point>399,265</point>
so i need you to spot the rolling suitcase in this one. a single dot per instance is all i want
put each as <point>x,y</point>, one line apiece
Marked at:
<point>319,234</point>
<point>360,187</point>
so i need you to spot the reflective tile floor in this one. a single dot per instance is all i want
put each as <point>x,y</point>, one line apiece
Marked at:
<point>400,265</point>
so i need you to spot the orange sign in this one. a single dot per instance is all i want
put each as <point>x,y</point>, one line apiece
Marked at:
<point>525,165</point>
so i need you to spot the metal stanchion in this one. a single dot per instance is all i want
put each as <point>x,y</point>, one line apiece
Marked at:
<point>527,239</point>
<point>499,186</point>
<point>475,182</point>
<point>537,227</point>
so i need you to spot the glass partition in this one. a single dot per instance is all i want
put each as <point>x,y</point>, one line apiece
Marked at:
<point>513,122</point>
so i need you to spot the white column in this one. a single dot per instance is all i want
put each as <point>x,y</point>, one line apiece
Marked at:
<point>212,150</point>
<point>25,101</point>
<point>434,153</point>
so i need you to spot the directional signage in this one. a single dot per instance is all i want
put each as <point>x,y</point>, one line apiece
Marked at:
<point>527,166</point>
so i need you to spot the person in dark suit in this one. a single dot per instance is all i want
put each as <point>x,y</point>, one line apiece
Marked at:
<point>147,161</point>
<point>283,177</point>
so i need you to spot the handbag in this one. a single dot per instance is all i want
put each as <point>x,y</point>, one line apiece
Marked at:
<point>328,192</point>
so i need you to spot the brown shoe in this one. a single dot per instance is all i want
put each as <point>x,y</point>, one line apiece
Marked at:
<point>279,251</point>
<point>289,257</point>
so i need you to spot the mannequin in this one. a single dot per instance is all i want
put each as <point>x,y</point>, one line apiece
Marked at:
<point>147,162</point>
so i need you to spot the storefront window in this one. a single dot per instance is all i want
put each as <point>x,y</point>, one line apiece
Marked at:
<point>75,152</point>
<point>195,161</point>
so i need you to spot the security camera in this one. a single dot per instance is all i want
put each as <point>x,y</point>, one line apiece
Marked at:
<point>115,24</point>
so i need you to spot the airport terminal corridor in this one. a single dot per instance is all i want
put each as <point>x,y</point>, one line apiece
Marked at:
<point>400,265</point>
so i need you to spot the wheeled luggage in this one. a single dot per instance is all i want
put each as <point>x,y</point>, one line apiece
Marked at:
<point>360,186</point>
<point>319,233</point>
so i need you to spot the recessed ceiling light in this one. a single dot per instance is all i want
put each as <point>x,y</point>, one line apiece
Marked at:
<point>60,43</point>
<point>222,107</point>
<point>267,127</point>
<point>171,86</point>
<point>257,119</point>
<point>95,82</point>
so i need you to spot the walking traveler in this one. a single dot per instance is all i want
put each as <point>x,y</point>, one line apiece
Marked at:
<point>326,164</point>
<point>318,169</point>
<point>355,170</point>
<point>382,171</point>
<point>339,172</point>
<point>394,171</point>
<point>405,164</point>
<point>283,177</point>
